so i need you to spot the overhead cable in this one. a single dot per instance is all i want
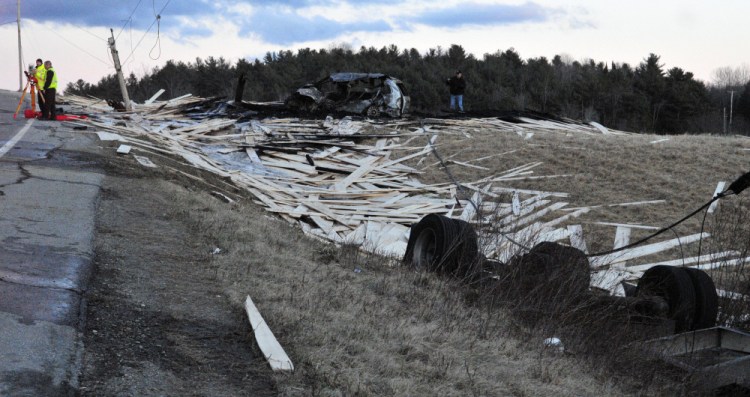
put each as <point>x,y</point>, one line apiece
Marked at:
<point>130,19</point>
<point>147,30</point>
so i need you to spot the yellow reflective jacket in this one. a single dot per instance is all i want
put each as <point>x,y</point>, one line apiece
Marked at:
<point>53,83</point>
<point>40,74</point>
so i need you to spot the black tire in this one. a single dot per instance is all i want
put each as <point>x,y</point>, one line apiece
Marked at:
<point>442,244</point>
<point>467,261</point>
<point>556,266</point>
<point>706,299</point>
<point>676,287</point>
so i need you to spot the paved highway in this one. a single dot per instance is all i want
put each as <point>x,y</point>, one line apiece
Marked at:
<point>48,194</point>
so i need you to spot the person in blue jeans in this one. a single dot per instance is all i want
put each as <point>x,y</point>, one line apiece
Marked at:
<point>457,86</point>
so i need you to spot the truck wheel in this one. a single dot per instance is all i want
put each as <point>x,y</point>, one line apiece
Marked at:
<point>676,287</point>
<point>442,244</point>
<point>706,299</point>
<point>372,112</point>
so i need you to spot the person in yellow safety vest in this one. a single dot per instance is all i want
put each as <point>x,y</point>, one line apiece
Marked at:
<point>40,73</point>
<point>50,89</point>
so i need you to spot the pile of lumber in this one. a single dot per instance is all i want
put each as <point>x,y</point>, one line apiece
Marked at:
<point>349,180</point>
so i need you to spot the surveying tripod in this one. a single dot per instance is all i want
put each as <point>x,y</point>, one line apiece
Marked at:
<point>31,83</point>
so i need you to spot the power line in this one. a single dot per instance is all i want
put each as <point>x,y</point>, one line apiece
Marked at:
<point>130,18</point>
<point>158,18</point>
<point>158,32</point>
<point>76,46</point>
<point>5,23</point>
<point>93,35</point>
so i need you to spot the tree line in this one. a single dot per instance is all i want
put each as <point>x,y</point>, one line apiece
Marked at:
<point>641,98</point>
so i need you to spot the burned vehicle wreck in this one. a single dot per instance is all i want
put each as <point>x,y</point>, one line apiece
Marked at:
<point>369,94</point>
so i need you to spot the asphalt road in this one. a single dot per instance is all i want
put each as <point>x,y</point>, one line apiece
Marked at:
<point>48,199</point>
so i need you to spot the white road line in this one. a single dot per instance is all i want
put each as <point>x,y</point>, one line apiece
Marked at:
<point>9,145</point>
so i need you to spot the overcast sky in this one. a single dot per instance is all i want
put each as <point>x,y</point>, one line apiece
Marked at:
<point>698,36</point>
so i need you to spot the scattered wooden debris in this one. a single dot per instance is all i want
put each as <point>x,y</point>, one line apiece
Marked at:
<point>144,161</point>
<point>719,189</point>
<point>272,350</point>
<point>124,149</point>
<point>335,183</point>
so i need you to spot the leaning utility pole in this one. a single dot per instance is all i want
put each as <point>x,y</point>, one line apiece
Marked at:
<point>20,60</point>
<point>118,68</point>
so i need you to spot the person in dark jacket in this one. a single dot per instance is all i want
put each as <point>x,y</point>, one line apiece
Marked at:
<point>457,86</point>
<point>50,90</point>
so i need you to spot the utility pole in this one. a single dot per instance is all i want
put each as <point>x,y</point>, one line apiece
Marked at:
<point>118,68</point>
<point>20,59</point>
<point>731,103</point>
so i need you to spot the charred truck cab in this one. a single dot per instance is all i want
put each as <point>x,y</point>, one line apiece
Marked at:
<point>369,94</point>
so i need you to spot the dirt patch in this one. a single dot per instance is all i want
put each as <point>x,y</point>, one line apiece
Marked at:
<point>158,322</point>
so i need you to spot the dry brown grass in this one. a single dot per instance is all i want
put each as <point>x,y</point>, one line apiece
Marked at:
<point>683,171</point>
<point>358,324</point>
<point>354,324</point>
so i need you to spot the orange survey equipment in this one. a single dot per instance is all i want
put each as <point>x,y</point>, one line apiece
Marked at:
<point>33,82</point>
<point>28,83</point>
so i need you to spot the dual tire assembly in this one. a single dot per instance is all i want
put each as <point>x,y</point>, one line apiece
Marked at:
<point>449,246</point>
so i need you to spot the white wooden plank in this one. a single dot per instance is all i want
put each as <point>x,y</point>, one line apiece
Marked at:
<point>719,189</point>
<point>644,250</point>
<point>628,225</point>
<point>576,238</point>
<point>144,161</point>
<point>516,204</point>
<point>470,210</point>
<point>173,100</point>
<point>124,149</point>
<point>527,191</point>
<point>367,166</point>
<point>724,263</point>
<point>564,218</point>
<point>109,136</point>
<point>396,198</point>
<point>525,210</point>
<point>357,236</point>
<point>683,261</point>
<point>554,235</point>
<point>324,225</point>
<point>634,203</point>
<point>468,165</point>
<point>599,127</point>
<point>541,213</point>
<point>153,98</point>
<point>272,350</point>
<point>610,280</point>
<point>622,237</point>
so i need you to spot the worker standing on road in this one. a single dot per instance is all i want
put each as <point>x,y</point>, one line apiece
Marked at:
<point>457,86</point>
<point>50,89</point>
<point>40,73</point>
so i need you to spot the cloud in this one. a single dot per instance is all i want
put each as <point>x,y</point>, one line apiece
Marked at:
<point>195,31</point>
<point>111,14</point>
<point>279,26</point>
<point>278,22</point>
<point>483,14</point>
